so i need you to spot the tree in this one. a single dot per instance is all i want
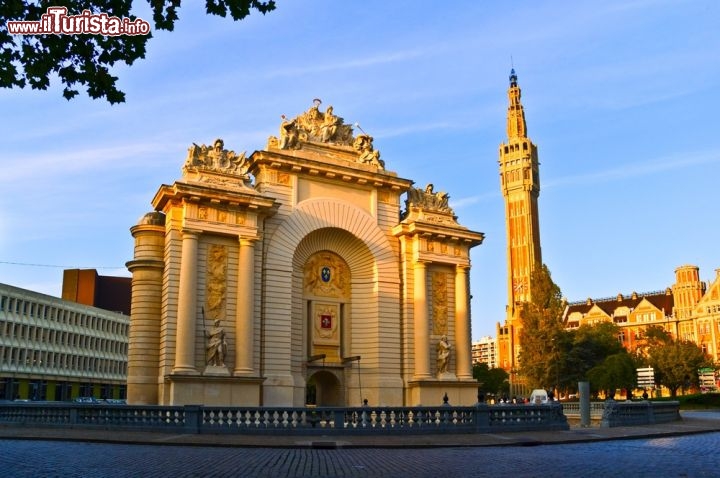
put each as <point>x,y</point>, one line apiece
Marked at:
<point>616,371</point>
<point>591,345</point>
<point>676,364</point>
<point>491,380</point>
<point>652,336</point>
<point>541,331</point>
<point>85,59</point>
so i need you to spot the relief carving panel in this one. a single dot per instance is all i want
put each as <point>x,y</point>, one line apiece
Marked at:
<point>326,275</point>
<point>439,303</point>
<point>216,281</point>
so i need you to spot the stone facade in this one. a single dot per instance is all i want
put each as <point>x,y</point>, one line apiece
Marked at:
<point>689,310</point>
<point>293,276</point>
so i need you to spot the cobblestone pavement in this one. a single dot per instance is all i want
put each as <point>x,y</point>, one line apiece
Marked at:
<point>680,456</point>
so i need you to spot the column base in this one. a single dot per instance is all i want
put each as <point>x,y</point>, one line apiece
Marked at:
<point>431,392</point>
<point>184,371</point>
<point>216,371</point>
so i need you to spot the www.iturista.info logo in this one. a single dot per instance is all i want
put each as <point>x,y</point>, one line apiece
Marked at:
<point>56,21</point>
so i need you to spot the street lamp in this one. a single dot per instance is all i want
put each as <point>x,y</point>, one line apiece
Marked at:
<point>557,378</point>
<point>355,358</point>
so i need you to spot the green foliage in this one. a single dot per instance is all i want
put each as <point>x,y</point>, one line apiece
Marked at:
<point>676,364</point>
<point>541,332</point>
<point>85,60</point>
<point>655,335</point>
<point>491,380</point>
<point>616,371</point>
<point>591,345</point>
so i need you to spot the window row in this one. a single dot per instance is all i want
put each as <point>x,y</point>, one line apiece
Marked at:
<point>42,335</point>
<point>15,356</point>
<point>515,147</point>
<point>28,308</point>
<point>713,309</point>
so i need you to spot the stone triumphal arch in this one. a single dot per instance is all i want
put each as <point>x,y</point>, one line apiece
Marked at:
<point>294,276</point>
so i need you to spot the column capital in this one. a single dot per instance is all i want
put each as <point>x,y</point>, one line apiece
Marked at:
<point>189,232</point>
<point>247,241</point>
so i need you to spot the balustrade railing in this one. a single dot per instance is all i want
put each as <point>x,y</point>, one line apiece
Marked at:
<point>283,420</point>
<point>639,413</point>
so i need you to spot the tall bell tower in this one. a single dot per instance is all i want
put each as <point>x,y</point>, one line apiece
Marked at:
<point>520,184</point>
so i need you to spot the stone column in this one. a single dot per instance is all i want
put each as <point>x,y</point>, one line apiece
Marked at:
<point>144,336</point>
<point>422,334</point>
<point>245,309</point>
<point>463,353</point>
<point>187,305</point>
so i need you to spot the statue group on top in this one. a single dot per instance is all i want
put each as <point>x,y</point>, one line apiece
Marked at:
<point>429,199</point>
<point>325,127</point>
<point>216,158</point>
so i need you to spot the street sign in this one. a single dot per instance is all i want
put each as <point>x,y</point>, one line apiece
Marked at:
<point>646,377</point>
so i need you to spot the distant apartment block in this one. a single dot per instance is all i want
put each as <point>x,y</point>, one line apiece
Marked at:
<point>485,351</point>
<point>54,349</point>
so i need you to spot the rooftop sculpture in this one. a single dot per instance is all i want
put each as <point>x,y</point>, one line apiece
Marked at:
<point>216,158</point>
<point>315,126</point>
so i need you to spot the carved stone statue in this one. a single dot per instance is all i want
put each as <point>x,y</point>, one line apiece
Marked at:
<point>443,355</point>
<point>288,134</point>
<point>429,200</point>
<point>216,158</point>
<point>217,345</point>
<point>368,155</point>
<point>324,127</point>
<point>329,126</point>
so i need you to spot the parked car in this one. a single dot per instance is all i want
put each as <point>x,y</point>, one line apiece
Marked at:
<point>86,400</point>
<point>538,397</point>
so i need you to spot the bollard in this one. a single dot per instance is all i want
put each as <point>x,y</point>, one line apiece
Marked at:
<point>584,393</point>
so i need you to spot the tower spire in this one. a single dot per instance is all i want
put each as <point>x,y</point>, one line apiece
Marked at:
<point>516,127</point>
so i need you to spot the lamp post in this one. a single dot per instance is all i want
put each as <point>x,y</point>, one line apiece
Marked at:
<point>356,358</point>
<point>556,350</point>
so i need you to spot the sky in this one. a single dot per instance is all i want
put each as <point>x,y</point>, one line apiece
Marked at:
<point>621,99</point>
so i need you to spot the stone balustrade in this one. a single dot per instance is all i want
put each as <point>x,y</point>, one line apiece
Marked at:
<point>618,414</point>
<point>288,420</point>
<point>612,413</point>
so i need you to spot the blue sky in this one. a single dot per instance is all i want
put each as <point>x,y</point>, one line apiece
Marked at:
<point>621,98</point>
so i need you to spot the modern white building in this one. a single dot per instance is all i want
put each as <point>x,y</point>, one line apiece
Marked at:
<point>485,351</point>
<point>54,349</point>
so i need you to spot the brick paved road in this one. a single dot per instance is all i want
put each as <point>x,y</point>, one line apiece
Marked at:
<point>684,456</point>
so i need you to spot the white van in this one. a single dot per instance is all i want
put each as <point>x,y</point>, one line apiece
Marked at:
<point>538,397</point>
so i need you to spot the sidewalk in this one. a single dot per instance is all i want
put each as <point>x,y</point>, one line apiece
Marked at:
<point>694,422</point>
